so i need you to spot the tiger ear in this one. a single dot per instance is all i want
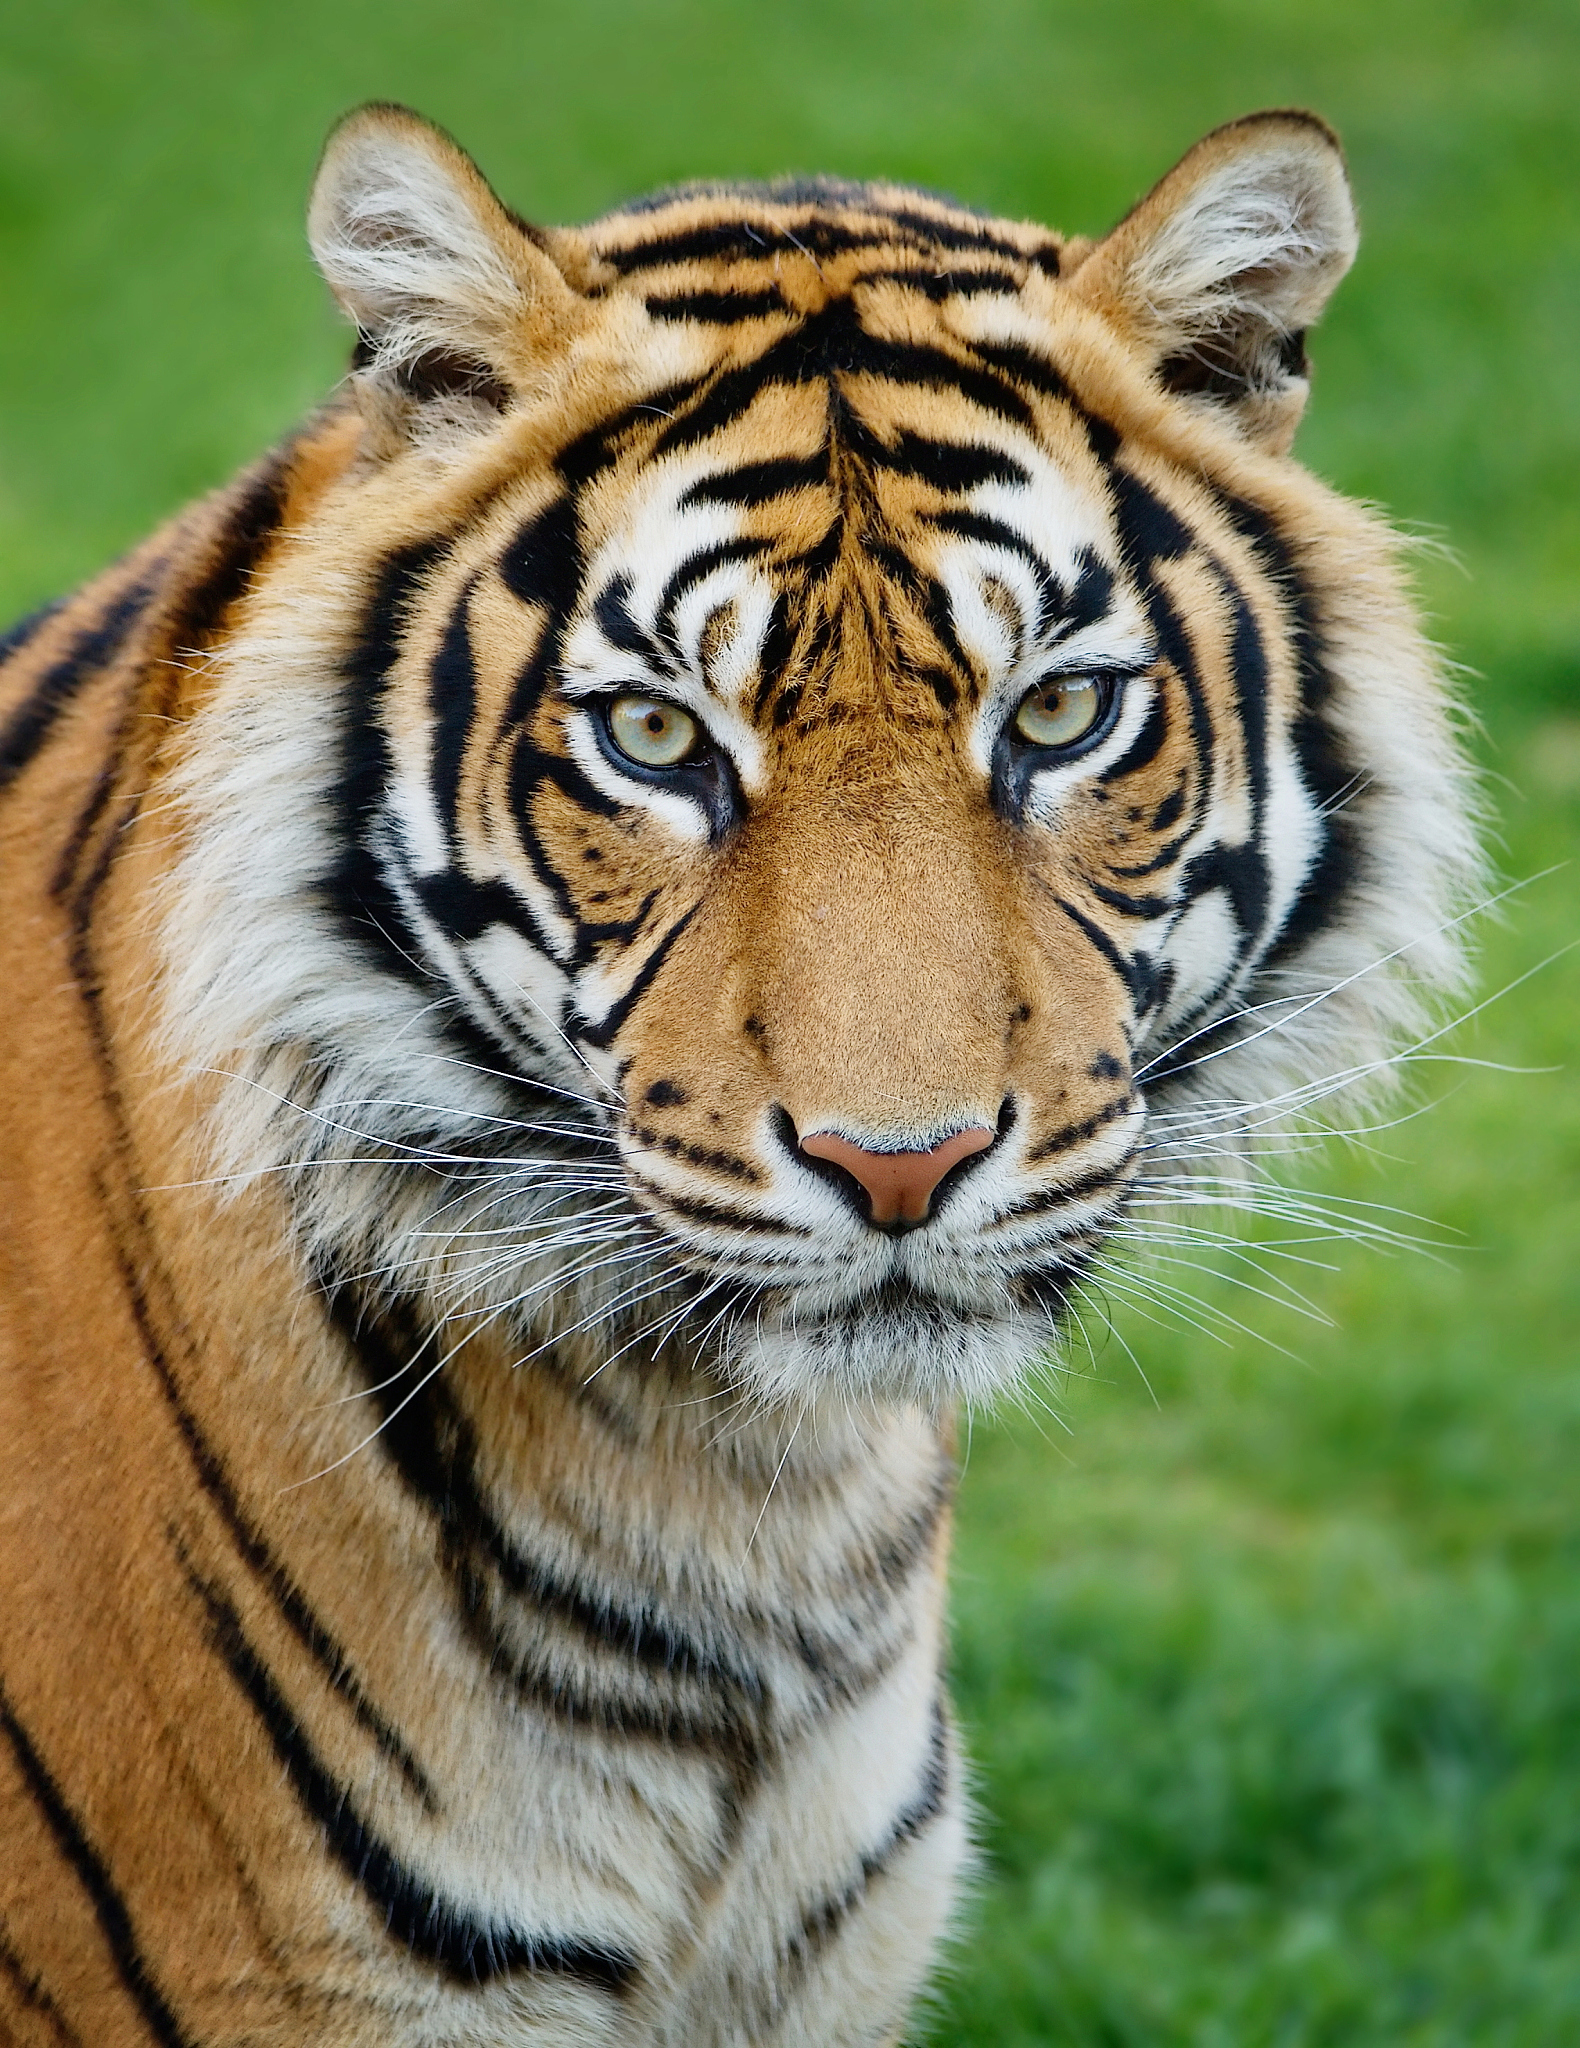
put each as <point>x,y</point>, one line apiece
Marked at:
<point>451,295</point>
<point>1222,267</point>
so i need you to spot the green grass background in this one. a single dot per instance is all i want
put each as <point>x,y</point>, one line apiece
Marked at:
<point>1271,1669</point>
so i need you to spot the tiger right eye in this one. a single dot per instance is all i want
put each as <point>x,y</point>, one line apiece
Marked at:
<point>652,733</point>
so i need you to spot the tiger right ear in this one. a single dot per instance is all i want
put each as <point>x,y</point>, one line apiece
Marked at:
<point>451,296</point>
<point>1226,262</point>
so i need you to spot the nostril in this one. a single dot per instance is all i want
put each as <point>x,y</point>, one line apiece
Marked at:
<point>899,1186</point>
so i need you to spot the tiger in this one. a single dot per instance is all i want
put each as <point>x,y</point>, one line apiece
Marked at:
<point>596,948</point>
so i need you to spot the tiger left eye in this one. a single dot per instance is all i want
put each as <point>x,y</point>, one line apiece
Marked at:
<point>1061,711</point>
<point>652,733</point>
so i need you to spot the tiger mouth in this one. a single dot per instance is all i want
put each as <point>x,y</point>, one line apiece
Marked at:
<point>908,1307</point>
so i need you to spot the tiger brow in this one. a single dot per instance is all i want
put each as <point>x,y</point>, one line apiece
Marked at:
<point>622,629</point>
<point>754,483</point>
<point>696,569</point>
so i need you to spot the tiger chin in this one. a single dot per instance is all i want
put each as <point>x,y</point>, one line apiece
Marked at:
<point>594,944</point>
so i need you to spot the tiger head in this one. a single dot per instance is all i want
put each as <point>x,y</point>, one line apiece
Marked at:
<point>804,756</point>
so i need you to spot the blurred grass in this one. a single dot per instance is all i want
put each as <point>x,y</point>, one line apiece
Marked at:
<point>1272,1675</point>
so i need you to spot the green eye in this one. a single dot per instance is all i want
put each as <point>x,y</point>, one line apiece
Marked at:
<point>1061,711</point>
<point>651,733</point>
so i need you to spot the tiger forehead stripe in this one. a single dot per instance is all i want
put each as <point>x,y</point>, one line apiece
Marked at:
<point>816,221</point>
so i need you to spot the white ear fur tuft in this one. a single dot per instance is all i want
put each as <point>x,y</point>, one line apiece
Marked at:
<point>1225,263</point>
<point>421,254</point>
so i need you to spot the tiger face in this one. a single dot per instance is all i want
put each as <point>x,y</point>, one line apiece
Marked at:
<point>811,747</point>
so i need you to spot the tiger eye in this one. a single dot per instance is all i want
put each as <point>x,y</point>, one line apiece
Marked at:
<point>652,733</point>
<point>1060,711</point>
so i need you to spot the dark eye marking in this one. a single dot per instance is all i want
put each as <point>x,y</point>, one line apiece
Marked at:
<point>1145,747</point>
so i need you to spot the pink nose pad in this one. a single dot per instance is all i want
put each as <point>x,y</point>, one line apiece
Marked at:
<point>899,1185</point>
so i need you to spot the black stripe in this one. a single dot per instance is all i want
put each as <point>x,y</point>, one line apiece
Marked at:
<point>601,445</point>
<point>952,466</point>
<point>1135,973</point>
<point>907,363</point>
<point>1149,532</point>
<point>251,519</point>
<point>669,1683</point>
<point>1145,747</point>
<point>115,1922</point>
<point>708,1157</point>
<point>1166,855</point>
<point>34,1993</point>
<point>543,566</point>
<point>822,1923</point>
<point>740,238</point>
<point>531,765</point>
<point>603,1034</point>
<point>718,309</point>
<point>940,616</point>
<point>1089,601</point>
<point>953,234</point>
<point>1129,906</point>
<point>725,238</point>
<point>22,632</point>
<point>1169,812</point>
<point>696,569</point>
<point>832,343</point>
<point>1071,1135</point>
<point>818,235</point>
<point>1065,610</point>
<point>1024,366</point>
<point>939,285</point>
<point>356,889</point>
<point>1100,1181</point>
<point>947,465</point>
<point>436,1456</point>
<point>96,645</point>
<point>470,1951</point>
<point>757,483</point>
<point>713,1214</point>
<point>989,531</point>
<point>256,1554</point>
<point>819,561</point>
<point>1239,871</point>
<point>692,1695</point>
<point>622,629</point>
<point>543,563</point>
<point>614,931</point>
<point>1326,767</point>
<point>452,704</point>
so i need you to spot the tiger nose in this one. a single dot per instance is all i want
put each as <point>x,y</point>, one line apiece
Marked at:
<point>899,1185</point>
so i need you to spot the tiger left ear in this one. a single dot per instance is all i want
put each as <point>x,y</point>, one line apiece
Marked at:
<point>1220,269</point>
<point>452,296</point>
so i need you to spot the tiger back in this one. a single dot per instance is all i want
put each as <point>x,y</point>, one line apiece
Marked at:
<point>592,946</point>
